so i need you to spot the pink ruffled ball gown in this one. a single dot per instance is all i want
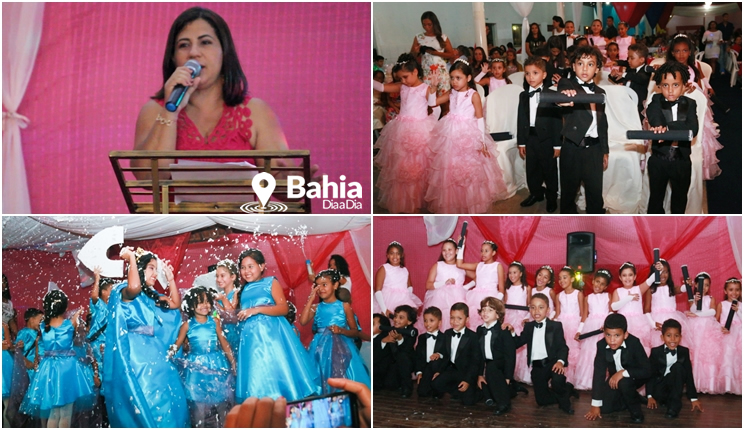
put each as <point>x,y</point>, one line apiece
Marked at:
<point>395,290</point>
<point>729,368</point>
<point>708,135</point>
<point>461,178</point>
<point>705,340</point>
<point>570,317</point>
<point>599,308</point>
<point>486,285</point>
<point>446,296</point>
<point>404,155</point>
<point>638,324</point>
<point>664,307</point>
<point>517,295</point>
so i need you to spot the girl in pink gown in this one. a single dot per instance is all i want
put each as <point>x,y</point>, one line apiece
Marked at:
<point>596,39</point>
<point>464,176</point>
<point>682,50</point>
<point>393,283</point>
<point>596,309</point>
<point>544,281</point>
<point>623,40</point>
<point>664,306</point>
<point>705,338</point>
<point>489,281</point>
<point>627,300</point>
<point>403,159</point>
<point>444,287</point>
<point>497,78</point>
<point>568,310</point>
<point>517,292</point>
<point>729,375</point>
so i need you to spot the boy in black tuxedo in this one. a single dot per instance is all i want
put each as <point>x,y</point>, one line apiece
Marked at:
<point>498,355</point>
<point>381,355</point>
<point>585,150</point>
<point>538,136</point>
<point>460,356</point>
<point>400,340</point>
<point>670,160</point>
<point>547,353</point>
<point>637,74</point>
<point>622,355</point>
<point>428,361</point>
<point>671,370</point>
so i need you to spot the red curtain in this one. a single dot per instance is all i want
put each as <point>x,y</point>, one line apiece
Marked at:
<point>666,15</point>
<point>631,12</point>
<point>171,248</point>
<point>513,236</point>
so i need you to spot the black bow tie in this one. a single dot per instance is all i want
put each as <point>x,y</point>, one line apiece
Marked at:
<point>431,336</point>
<point>589,85</point>
<point>456,334</point>
<point>674,103</point>
<point>538,325</point>
<point>670,351</point>
<point>532,93</point>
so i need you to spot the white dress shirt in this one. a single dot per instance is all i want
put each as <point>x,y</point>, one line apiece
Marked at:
<point>539,351</point>
<point>533,105</point>
<point>430,342</point>
<point>617,357</point>
<point>592,131</point>
<point>487,340</point>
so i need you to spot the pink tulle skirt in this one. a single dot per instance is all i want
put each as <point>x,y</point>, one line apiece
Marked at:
<point>729,370</point>
<point>444,298</point>
<point>403,161</point>
<point>705,340</point>
<point>461,178</point>
<point>663,315</point>
<point>395,297</point>
<point>473,298</point>
<point>709,140</point>
<point>584,367</point>
<point>521,369</point>
<point>570,325</point>
<point>639,327</point>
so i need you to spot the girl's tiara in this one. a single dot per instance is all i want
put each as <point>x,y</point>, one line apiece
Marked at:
<point>498,60</point>
<point>702,275</point>
<point>490,242</point>
<point>604,272</point>
<point>449,239</point>
<point>546,267</point>
<point>661,259</point>
<point>517,263</point>
<point>226,263</point>
<point>400,63</point>
<point>461,60</point>
<point>627,264</point>
<point>734,280</point>
<point>395,242</point>
<point>567,268</point>
<point>682,35</point>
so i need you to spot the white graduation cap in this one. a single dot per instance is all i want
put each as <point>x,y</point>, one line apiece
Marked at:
<point>85,279</point>
<point>51,287</point>
<point>94,252</point>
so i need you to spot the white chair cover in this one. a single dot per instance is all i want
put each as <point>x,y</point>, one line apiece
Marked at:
<point>706,69</point>
<point>481,93</point>
<point>697,185</point>
<point>517,78</point>
<point>501,116</point>
<point>733,66</point>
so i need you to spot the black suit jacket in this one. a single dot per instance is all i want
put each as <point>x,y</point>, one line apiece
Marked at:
<point>659,112</point>
<point>421,353</point>
<point>633,359</point>
<point>502,346</point>
<point>467,356</point>
<point>404,348</point>
<point>555,343</point>
<point>577,119</point>
<point>658,363</point>
<point>547,120</point>
<point>638,80</point>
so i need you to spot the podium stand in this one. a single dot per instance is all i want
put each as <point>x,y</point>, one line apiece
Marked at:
<point>160,188</point>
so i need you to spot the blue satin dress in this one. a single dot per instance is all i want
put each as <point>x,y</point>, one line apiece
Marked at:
<point>97,333</point>
<point>61,378</point>
<point>7,371</point>
<point>142,387</point>
<point>271,359</point>
<point>28,336</point>
<point>207,375</point>
<point>335,354</point>
<point>232,334</point>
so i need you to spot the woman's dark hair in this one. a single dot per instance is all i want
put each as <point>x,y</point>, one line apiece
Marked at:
<point>437,28</point>
<point>559,61</point>
<point>449,240</point>
<point>235,85</point>
<point>467,71</point>
<point>257,256</point>
<point>539,36</point>
<point>6,288</point>
<point>149,291</point>
<point>55,304</point>
<point>477,64</point>
<point>522,278</point>
<point>684,39</point>
<point>713,22</point>
<point>408,62</point>
<point>559,20</point>
<point>400,250</point>
<point>196,296</point>
<point>670,282</point>
<point>341,265</point>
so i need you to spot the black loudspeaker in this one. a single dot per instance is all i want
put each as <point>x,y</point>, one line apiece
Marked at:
<point>580,254</point>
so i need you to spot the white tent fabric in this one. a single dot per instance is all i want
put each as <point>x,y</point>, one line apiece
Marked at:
<point>734,226</point>
<point>67,233</point>
<point>362,239</point>
<point>523,9</point>
<point>439,228</point>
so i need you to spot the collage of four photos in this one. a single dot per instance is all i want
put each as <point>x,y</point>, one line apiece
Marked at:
<point>536,222</point>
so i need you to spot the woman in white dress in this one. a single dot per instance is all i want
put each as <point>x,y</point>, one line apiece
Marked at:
<point>712,39</point>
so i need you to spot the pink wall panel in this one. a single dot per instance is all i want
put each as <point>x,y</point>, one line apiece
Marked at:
<point>98,63</point>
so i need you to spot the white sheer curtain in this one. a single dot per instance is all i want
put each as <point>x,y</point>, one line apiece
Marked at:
<point>576,7</point>
<point>439,228</point>
<point>22,24</point>
<point>362,239</point>
<point>523,9</point>
<point>734,229</point>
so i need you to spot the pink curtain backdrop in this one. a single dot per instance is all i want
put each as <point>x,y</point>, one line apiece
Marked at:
<point>703,243</point>
<point>98,64</point>
<point>29,272</point>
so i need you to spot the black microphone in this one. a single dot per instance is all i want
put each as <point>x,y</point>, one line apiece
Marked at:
<point>406,332</point>
<point>179,91</point>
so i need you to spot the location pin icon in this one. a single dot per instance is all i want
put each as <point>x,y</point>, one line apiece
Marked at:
<point>263,193</point>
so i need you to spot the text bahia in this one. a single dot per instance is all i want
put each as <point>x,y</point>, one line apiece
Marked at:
<point>328,190</point>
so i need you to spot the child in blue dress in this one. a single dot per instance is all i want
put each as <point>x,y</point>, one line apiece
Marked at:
<point>271,359</point>
<point>226,276</point>
<point>61,382</point>
<point>333,346</point>
<point>99,297</point>
<point>207,376</point>
<point>7,370</point>
<point>141,385</point>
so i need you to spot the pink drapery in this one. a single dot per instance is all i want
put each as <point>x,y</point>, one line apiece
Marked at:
<point>22,25</point>
<point>100,62</point>
<point>702,245</point>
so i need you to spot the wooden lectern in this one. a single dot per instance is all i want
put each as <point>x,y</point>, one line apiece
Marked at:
<point>161,188</point>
